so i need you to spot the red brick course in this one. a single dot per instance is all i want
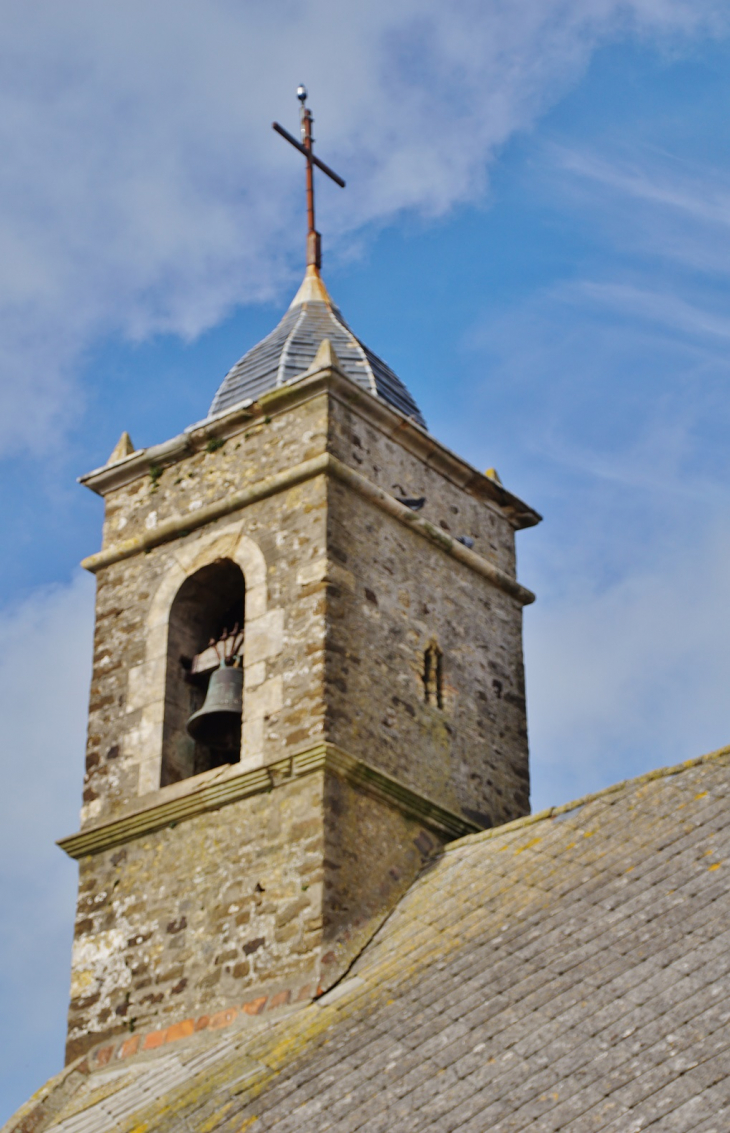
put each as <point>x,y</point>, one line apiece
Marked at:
<point>187,1027</point>
<point>129,1046</point>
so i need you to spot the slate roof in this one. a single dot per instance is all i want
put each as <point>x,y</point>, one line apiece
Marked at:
<point>568,972</point>
<point>286,353</point>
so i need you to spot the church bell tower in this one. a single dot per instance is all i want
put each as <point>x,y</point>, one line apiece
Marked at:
<point>307,679</point>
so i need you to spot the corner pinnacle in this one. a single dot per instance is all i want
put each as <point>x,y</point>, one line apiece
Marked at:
<point>325,358</point>
<point>122,448</point>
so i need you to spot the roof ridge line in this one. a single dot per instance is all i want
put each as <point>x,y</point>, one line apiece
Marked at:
<point>359,347</point>
<point>284,356</point>
<point>583,800</point>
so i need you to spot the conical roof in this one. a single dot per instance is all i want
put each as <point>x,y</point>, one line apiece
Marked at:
<point>287,352</point>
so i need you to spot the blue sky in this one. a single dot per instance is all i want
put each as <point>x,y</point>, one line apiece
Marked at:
<point>535,236</point>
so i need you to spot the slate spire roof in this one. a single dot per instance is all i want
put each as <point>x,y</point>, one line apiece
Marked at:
<point>285,354</point>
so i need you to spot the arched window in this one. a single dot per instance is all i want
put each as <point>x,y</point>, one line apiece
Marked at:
<point>208,607</point>
<point>432,676</point>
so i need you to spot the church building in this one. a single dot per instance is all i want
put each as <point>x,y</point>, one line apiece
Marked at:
<point>312,895</point>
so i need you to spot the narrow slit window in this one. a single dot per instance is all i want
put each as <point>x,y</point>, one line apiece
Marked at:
<point>433,676</point>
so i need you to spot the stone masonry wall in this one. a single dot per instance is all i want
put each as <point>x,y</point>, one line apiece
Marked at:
<point>397,470</point>
<point>341,602</point>
<point>290,531</point>
<point>276,891</point>
<point>397,593</point>
<point>402,594</point>
<point>372,854</point>
<point>263,447</point>
<point>190,917</point>
<point>284,657</point>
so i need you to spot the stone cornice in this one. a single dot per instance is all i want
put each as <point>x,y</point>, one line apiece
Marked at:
<point>180,525</point>
<point>432,452</point>
<point>378,413</point>
<point>429,531</point>
<point>324,464</point>
<point>212,794</point>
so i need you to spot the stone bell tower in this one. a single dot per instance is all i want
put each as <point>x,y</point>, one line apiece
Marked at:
<point>360,578</point>
<point>363,576</point>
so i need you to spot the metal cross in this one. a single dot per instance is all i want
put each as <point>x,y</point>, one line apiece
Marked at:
<point>314,240</point>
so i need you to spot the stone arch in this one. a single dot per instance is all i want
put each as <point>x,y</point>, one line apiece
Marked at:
<point>210,603</point>
<point>263,641</point>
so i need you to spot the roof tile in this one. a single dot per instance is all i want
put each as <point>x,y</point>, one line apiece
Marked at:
<point>569,973</point>
<point>286,353</point>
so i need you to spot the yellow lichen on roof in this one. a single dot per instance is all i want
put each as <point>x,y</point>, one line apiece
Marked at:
<point>567,972</point>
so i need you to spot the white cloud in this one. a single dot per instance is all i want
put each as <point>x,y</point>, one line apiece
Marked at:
<point>699,193</point>
<point>143,190</point>
<point>613,398</point>
<point>671,211</point>
<point>633,676</point>
<point>45,654</point>
<point>669,311</point>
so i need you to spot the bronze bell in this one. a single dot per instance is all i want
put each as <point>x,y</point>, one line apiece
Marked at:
<point>218,722</point>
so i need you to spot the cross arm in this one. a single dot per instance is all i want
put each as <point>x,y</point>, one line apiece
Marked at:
<point>308,154</point>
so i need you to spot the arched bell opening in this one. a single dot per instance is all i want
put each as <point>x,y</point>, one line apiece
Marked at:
<point>204,677</point>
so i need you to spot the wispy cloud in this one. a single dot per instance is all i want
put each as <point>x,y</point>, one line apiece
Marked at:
<point>702,194</point>
<point>633,675</point>
<point>143,191</point>
<point>45,651</point>
<point>670,311</point>
<point>651,203</point>
<point>615,386</point>
<point>612,383</point>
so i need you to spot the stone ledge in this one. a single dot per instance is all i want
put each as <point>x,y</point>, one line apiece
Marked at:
<point>178,526</point>
<point>383,416</point>
<point>435,535</point>
<point>213,795</point>
<point>328,465</point>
